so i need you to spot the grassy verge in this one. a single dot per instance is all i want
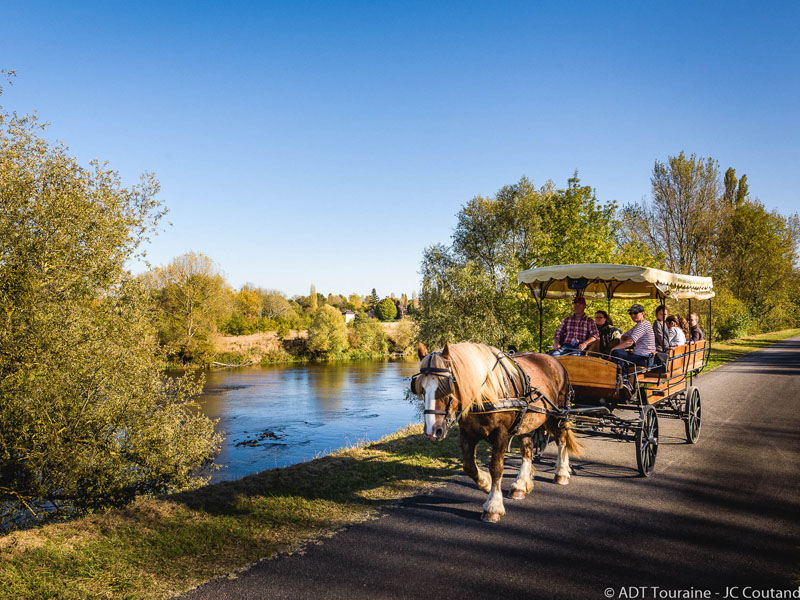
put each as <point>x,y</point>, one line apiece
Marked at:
<point>159,547</point>
<point>723,352</point>
<point>156,548</point>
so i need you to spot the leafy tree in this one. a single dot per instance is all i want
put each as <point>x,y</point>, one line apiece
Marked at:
<point>327,332</point>
<point>190,296</point>
<point>86,416</point>
<point>683,218</point>
<point>386,310</point>
<point>356,301</point>
<point>367,335</point>
<point>275,306</point>
<point>757,258</point>
<point>470,291</point>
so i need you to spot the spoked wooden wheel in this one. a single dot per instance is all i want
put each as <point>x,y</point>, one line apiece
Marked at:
<point>540,439</point>
<point>647,441</point>
<point>692,414</point>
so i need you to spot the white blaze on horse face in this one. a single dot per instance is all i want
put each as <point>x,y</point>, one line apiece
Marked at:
<point>430,403</point>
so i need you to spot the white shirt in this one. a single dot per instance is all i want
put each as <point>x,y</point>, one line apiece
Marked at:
<point>676,337</point>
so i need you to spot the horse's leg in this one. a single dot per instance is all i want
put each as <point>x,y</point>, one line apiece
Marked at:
<point>523,484</point>
<point>478,475</point>
<point>493,509</point>
<point>566,443</point>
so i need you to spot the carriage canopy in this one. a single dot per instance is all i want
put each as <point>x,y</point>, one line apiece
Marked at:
<point>602,281</point>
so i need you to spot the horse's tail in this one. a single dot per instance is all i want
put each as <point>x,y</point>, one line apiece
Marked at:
<point>572,444</point>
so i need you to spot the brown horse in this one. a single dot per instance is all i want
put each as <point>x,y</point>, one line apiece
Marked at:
<point>468,382</point>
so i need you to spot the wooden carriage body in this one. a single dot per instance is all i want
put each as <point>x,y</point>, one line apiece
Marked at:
<point>599,389</point>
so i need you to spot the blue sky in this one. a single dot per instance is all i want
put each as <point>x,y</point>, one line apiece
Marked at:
<point>331,142</point>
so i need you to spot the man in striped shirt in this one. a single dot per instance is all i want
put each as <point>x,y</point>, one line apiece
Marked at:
<point>641,337</point>
<point>576,331</point>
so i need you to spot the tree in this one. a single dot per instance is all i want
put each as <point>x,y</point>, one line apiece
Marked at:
<point>314,300</point>
<point>373,299</point>
<point>758,253</point>
<point>327,332</point>
<point>683,217</point>
<point>367,335</point>
<point>86,416</point>
<point>191,297</point>
<point>469,289</point>
<point>275,306</point>
<point>386,310</point>
<point>356,301</point>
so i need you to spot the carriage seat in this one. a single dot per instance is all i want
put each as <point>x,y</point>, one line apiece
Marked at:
<point>592,377</point>
<point>682,360</point>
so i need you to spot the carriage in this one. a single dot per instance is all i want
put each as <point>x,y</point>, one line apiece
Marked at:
<point>603,403</point>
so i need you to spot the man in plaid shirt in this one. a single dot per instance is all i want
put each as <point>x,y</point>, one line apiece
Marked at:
<point>576,331</point>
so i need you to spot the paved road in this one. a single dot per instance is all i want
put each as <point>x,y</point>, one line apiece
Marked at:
<point>720,514</point>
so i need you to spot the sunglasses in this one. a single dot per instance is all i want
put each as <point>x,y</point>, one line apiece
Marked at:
<point>634,312</point>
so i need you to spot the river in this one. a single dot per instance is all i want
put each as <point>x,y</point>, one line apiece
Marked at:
<point>280,415</point>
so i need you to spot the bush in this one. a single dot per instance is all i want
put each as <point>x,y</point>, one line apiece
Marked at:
<point>403,336</point>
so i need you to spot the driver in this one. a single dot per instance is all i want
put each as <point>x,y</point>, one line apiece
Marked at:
<point>576,332</point>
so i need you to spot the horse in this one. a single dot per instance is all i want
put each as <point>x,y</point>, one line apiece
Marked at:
<point>484,390</point>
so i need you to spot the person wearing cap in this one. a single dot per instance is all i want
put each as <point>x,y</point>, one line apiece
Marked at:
<point>641,337</point>
<point>576,331</point>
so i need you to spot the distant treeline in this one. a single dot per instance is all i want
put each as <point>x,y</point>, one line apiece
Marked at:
<point>697,222</point>
<point>191,302</point>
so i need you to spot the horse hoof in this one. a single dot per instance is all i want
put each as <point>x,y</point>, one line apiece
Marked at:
<point>561,479</point>
<point>517,495</point>
<point>488,517</point>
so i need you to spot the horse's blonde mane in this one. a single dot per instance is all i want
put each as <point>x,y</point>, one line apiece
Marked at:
<point>478,375</point>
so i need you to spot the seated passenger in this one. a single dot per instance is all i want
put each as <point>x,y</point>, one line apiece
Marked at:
<point>609,335</point>
<point>641,338</point>
<point>576,331</point>
<point>660,329</point>
<point>694,326</point>
<point>676,336</point>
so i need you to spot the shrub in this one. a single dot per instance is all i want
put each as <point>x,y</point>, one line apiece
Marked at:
<point>327,332</point>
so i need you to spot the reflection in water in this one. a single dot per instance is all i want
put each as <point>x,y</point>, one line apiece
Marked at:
<point>276,416</point>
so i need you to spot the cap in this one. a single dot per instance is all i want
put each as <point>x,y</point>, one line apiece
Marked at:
<point>579,299</point>
<point>636,308</point>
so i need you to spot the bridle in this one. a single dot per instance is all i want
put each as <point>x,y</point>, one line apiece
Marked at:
<point>451,379</point>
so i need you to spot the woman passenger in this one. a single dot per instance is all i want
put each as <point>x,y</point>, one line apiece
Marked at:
<point>677,335</point>
<point>609,335</point>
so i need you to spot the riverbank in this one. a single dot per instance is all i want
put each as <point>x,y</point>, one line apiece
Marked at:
<point>159,547</point>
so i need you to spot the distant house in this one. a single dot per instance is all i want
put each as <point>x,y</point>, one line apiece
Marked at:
<point>348,315</point>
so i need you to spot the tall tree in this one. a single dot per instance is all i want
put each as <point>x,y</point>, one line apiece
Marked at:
<point>86,417</point>
<point>313,298</point>
<point>191,297</point>
<point>683,216</point>
<point>470,291</point>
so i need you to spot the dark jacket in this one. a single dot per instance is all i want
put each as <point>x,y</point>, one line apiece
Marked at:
<point>608,333</point>
<point>697,333</point>
<point>662,336</point>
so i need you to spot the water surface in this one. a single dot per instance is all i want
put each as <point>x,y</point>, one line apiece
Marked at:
<point>280,415</point>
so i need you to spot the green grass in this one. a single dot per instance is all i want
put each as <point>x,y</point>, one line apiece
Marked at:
<point>723,352</point>
<point>160,547</point>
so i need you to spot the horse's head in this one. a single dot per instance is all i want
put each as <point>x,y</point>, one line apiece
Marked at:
<point>437,385</point>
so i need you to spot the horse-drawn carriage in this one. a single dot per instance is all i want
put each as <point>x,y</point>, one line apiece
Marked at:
<point>603,399</point>
<point>495,397</point>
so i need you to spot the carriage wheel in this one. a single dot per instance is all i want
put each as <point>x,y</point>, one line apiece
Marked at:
<point>540,439</point>
<point>647,441</point>
<point>692,414</point>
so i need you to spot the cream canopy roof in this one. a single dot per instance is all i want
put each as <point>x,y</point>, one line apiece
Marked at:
<point>613,281</point>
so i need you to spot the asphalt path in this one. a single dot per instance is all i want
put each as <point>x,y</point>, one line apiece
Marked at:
<point>718,519</point>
